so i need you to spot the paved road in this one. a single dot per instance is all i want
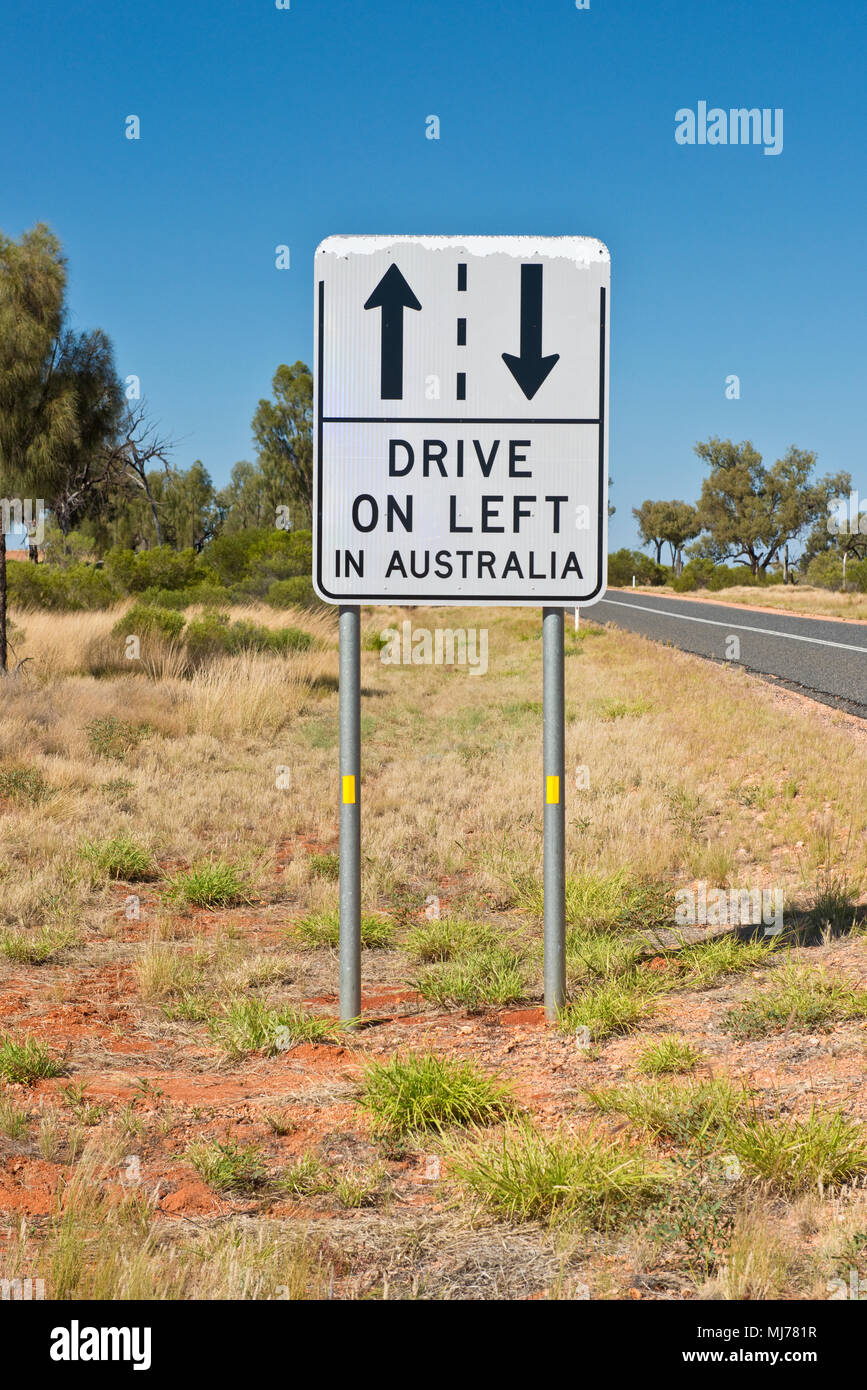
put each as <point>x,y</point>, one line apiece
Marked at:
<point>821,656</point>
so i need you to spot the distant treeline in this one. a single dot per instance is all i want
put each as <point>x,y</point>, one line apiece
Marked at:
<point>825,571</point>
<point>258,564</point>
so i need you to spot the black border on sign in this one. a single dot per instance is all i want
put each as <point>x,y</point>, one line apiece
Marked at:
<point>397,601</point>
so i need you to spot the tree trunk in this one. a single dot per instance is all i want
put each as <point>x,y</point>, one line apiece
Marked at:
<point>2,598</point>
<point>33,553</point>
<point>658,545</point>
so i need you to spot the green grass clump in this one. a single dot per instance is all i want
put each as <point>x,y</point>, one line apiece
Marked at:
<point>524,1176</point>
<point>592,956</point>
<point>800,997</point>
<point>191,1007</point>
<point>448,938</point>
<point>701,965</point>
<point>39,947</point>
<point>609,1008</point>
<point>23,784</point>
<point>695,1113</point>
<point>319,929</point>
<point>119,857</point>
<point>228,1167</point>
<point>356,1187</point>
<point>14,1122</point>
<point>325,866</point>
<point>27,1061</point>
<point>795,1155</point>
<point>306,1177</point>
<point>832,909</point>
<point>668,1055</point>
<point>484,978</point>
<point>604,902</point>
<point>418,1092</point>
<point>249,1025</point>
<point>214,883</point>
<point>612,709</point>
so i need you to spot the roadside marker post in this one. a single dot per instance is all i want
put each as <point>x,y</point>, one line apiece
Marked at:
<point>460,458</point>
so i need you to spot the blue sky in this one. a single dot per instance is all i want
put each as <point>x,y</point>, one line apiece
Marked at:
<point>262,127</point>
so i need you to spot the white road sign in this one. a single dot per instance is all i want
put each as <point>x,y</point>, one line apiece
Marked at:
<point>461,420</point>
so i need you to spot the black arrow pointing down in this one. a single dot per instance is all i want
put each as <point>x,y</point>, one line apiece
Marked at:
<point>531,369</point>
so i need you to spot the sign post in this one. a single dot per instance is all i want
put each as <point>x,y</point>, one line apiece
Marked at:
<point>350,811</point>
<point>460,458</point>
<point>554,771</point>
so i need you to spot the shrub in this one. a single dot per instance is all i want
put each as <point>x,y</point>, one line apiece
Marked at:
<point>623,564</point>
<point>214,635</point>
<point>114,738</point>
<point>297,592</point>
<point>146,620</point>
<point>205,594</point>
<point>162,567</point>
<point>23,784</point>
<point>79,588</point>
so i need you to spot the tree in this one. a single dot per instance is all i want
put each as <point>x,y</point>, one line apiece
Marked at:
<point>38,416</point>
<point>651,520</point>
<point>747,511</point>
<point>283,432</point>
<point>242,502</point>
<point>839,530</point>
<point>89,466</point>
<point>678,524</point>
<point>187,502</point>
<point>136,447</point>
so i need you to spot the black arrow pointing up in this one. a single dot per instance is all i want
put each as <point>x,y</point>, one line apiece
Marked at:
<point>531,368</point>
<point>392,295</point>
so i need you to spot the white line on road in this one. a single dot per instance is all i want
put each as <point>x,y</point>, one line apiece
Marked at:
<point>739,627</point>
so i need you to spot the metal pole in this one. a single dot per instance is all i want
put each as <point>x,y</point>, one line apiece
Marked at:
<point>350,812</point>
<point>554,772</point>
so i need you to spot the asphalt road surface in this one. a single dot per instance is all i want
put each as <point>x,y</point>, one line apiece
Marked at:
<point>822,657</point>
